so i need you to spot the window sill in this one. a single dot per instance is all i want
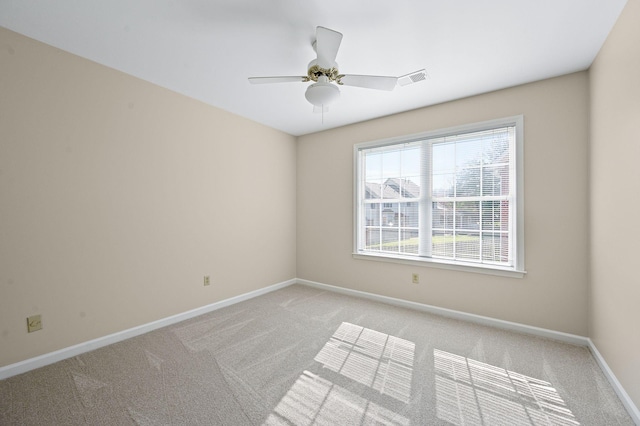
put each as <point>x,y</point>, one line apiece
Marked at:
<point>442,264</point>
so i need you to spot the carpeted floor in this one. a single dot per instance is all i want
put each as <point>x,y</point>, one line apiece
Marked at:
<point>304,356</point>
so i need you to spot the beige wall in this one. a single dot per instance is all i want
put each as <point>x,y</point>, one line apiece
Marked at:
<point>117,197</point>
<point>553,294</point>
<point>614,314</point>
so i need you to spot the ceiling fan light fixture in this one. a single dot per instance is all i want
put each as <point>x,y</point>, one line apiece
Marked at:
<point>322,93</point>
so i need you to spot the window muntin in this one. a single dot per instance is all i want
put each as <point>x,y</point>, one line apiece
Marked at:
<point>451,196</point>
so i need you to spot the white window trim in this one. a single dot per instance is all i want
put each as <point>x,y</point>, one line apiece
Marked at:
<point>518,270</point>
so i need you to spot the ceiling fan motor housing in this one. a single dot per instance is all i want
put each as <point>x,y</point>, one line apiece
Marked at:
<point>314,71</point>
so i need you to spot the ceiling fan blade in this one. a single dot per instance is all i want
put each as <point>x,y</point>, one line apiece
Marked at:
<point>369,81</point>
<point>268,80</point>
<point>327,45</point>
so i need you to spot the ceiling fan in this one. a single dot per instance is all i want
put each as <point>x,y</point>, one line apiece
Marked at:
<point>324,72</point>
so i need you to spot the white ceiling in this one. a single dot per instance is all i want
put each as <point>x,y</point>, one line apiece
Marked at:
<point>206,49</point>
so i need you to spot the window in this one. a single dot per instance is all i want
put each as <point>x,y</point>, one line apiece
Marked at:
<point>450,197</point>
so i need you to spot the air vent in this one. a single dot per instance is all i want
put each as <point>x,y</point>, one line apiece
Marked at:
<point>414,77</point>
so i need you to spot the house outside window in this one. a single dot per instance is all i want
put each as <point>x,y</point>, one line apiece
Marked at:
<point>451,197</point>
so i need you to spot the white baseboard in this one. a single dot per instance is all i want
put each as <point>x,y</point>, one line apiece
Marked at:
<point>478,319</point>
<point>71,351</point>
<point>617,387</point>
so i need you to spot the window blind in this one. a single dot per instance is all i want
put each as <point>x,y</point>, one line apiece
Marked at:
<point>450,197</point>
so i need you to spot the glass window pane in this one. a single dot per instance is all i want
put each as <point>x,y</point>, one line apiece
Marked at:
<point>372,214</point>
<point>505,206</point>
<point>467,245</point>
<point>468,153</point>
<point>442,244</point>
<point>495,247</point>
<point>496,147</point>
<point>495,215</point>
<point>490,182</point>
<point>468,182</point>
<point>442,215</point>
<point>443,157</point>
<point>391,189</point>
<point>410,187</point>
<point>443,184</point>
<point>467,215</point>
<point>373,189</point>
<point>373,166</point>
<point>410,161</point>
<point>390,215</point>
<point>389,240</point>
<point>495,180</point>
<point>490,215</point>
<point>409,243</point>
<point>372,238</point>
<point>391,164</point>
<point>409,215</point>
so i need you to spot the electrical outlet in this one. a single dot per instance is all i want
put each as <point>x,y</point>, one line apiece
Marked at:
<point>34,323</point>
<point>207,280</point>
<point>415,278</point>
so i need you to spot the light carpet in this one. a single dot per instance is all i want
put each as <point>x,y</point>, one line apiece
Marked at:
<point>304,356</point>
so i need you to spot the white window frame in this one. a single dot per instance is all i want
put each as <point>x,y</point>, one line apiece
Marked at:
<point>517,234</point>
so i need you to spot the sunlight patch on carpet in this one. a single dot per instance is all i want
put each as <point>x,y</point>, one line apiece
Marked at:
<point>472,392</point>
<point>313,400</point>
<point>372,358</point>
